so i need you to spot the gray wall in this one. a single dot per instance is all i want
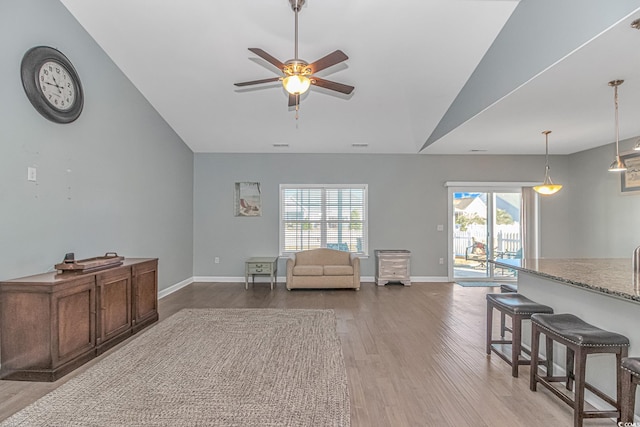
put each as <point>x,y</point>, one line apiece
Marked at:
<point>407,200</point>
<point>117,179</point>
<point>603,220</point>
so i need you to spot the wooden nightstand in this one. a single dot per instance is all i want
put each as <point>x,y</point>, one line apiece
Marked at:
<point>261,266</point>
<point>393,266</point>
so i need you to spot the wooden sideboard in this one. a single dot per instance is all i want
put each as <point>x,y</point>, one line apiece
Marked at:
<point>52,323</point>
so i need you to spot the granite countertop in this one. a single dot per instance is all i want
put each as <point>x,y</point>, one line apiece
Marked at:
<point>610,276</point>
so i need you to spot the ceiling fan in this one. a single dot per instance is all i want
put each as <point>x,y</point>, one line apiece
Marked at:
<point>298,75</point>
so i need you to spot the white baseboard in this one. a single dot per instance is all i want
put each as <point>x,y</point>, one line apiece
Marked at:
<point>266,279</point>
<point>171,289</point>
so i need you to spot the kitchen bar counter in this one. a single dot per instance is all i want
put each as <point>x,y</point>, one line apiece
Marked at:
<point>599,291</point>
<point>609,276</point>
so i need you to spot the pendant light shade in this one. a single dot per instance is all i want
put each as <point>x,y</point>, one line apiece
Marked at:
<point>617,165</point>
<point>547,188</point>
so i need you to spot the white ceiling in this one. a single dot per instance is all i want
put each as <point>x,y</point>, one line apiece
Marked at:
<point>409,61</point>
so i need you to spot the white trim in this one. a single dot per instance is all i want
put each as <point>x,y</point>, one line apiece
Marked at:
<point>221,279</point>
<point>265,279</point>
<point>171,289</point>
<point>492,184</point>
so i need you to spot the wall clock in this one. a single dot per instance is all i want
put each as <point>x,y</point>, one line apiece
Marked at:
<point>52,84</point>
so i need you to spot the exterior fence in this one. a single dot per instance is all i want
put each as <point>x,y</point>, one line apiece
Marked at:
<point>504,242</point>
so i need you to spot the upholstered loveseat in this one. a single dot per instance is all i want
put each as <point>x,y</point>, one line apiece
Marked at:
<point>323,268</point>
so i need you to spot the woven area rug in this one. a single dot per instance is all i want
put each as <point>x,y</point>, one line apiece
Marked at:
<point>210,367</point>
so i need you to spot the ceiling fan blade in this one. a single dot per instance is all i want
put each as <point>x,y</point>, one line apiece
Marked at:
<point>270,59</point>
<point>257,82</point>
<point>292,100</point>
<point>327,84</point>
<point>331,59</point>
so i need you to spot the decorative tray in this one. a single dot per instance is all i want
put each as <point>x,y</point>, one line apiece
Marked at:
<point>71,265</point>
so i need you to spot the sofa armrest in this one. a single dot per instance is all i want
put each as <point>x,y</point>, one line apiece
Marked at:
<point>355,262</point>
<point>291,262</point>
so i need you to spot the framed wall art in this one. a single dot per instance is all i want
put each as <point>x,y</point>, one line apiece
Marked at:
<point>247,199</point>
<point>630,179</point>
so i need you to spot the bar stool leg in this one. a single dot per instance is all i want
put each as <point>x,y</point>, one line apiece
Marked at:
<point>535,343</point>
<point>569,367</point>
<point>549,356</point>
<point>516,335</point>
<point>489,326</point>
<point>580,372</point>
<point>624,352</point>
<point>629,397</point>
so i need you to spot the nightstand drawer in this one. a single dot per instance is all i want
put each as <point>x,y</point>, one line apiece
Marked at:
<point>259,268</point>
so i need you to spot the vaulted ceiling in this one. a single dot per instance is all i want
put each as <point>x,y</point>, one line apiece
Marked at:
<point>430,76</point>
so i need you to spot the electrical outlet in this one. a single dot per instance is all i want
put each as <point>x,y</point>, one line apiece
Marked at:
<point>441,261</point>
<point>216,260</point>
<point>440,227</point>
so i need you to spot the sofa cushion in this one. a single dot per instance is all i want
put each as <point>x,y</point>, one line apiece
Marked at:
<point>307,270</point>
<point>323,256</point>
<point>338,270</point>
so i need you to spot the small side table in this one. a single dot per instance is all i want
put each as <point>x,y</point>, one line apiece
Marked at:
<point>261,266</point>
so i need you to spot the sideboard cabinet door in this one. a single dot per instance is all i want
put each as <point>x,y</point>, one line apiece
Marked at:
<point>47,330</point>
<point>145,294</point>
<point>113,307</point>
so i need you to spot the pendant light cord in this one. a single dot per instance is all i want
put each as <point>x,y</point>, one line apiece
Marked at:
<point>615,101</point>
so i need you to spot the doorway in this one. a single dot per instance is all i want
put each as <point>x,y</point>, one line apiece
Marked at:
<point>486,224</point>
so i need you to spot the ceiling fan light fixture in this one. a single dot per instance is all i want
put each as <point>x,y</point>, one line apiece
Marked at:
<point>547,188</point>
<point>296,84</point>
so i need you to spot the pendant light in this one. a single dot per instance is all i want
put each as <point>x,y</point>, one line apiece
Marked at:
<point>548,187</point>
<point>617,165</point>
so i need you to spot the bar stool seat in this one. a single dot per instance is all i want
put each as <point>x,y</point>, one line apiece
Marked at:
<point>506,288</point>
<point>519,308</point>
<point>630,382</point>
<point>580,339</point>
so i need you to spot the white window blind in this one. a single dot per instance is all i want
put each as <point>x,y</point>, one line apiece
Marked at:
<point>323,216</point>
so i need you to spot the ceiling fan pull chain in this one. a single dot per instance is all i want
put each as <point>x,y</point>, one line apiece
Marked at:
<point>297,105</point>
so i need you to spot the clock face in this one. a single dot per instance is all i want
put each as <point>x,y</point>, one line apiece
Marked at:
<point>57,86</point>
<point>52,84</point>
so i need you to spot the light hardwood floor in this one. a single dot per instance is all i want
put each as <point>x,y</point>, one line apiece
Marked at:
<point>414,355</point>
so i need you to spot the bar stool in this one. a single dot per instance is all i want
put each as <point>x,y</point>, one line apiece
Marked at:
<point>580,339</point>
<point>519,308</point>
<point>630,380</point>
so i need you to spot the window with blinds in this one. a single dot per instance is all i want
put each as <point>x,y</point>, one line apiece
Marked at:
<point>323,216</point>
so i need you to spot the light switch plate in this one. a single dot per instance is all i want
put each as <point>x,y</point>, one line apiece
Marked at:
<point>31,174</point>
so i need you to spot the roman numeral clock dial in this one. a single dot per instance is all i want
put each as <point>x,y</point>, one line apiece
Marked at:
<point>52,84</point>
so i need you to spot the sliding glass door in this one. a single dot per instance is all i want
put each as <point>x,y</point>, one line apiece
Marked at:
<point>485,224</point>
